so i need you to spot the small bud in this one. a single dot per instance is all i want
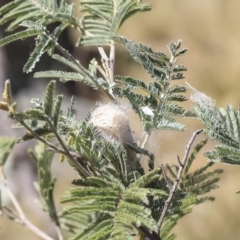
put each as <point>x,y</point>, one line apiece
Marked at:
<point>13,107</point>
<point>28,133</point>
<point>4,106</point>
<point>7,92</point>
<point>62,157</point>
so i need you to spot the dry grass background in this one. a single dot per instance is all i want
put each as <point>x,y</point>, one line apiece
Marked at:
<point>210,29</point>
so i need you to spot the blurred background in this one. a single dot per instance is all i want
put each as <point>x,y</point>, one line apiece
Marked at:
<point>210,30</point>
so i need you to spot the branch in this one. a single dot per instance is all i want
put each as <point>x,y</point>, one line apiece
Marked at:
<point>175,184</point>
<point>21,218</point>
<point>164,172</point>
<point>66,151</point>
<point>111,62</point>
<point>76,62</point>
<point>59,233</point>
<point>76,156</point>
<point>35,135</point>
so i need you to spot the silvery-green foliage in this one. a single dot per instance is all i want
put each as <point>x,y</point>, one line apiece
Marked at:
<point>109,199</point>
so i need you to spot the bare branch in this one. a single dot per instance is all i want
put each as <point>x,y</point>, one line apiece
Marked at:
<point>21,218</point>
<point>111,62</point>
<point>175,184</point>
<point>164,172</point>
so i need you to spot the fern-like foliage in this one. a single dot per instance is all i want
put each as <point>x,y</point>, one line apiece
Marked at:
<point>6,145</point>
<point>43,12</point>
<point>107,191</point>
<point>102,19</point>
<point>158,109</point>
<point>110,201</point>
<point>46,109</point>
<point>222,126</point>
<point>79,74</point>
<point>192,189</point>
<point>121,209</point>
<point>46,183</point>
<point>36,15</point>
<point>99,23</point>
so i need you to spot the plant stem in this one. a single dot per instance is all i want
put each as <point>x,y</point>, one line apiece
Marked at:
<point>59,233</point>
<point>162,100</point>
<point>22,219</point>
<point>36,135</point>
<point>76,62</point>
<point>175,184</point>
<point>111,62</point>
<point>66,151</point>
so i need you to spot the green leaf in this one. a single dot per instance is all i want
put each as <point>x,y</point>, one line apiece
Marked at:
<point>168,123</point>
<point>43,159</point>
<point>64,76</point>
<point>48,101</point>
<point>19,36</point>
<point>45,12</point>
<point>37,53</point>
<point>223,126</point>
<point>101,20</point>
<point>6,146</point>
<point>41,131</point>
<point>57,110</point>
<point>147,178</point>
<point>66,62</point>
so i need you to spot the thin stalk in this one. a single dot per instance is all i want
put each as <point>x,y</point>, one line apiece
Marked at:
<point>161,101</point>
<point>79,167</point>
<point>145,140</point>
<point>66,151</point>
<point>22,219</point>
<point>111,62</point>
<point>59,233</point>
<point>71,58</point>
<point>35,135</point>
<point>176,182</point>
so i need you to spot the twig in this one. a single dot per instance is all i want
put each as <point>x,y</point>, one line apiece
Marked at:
<point>66,151</point>
<point>77,63</point>
<point>111,62</point>
<point>175,184</point>
<point>102,53</point>
<point>76,156</point>
<point>169,185</point>
<point>145,140</point>
<point>11,215</point>
<point>60,237</point>
<point>38,137</point>
<point>22,219</point>
<point>59,233</point>
<point>144,144</point>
